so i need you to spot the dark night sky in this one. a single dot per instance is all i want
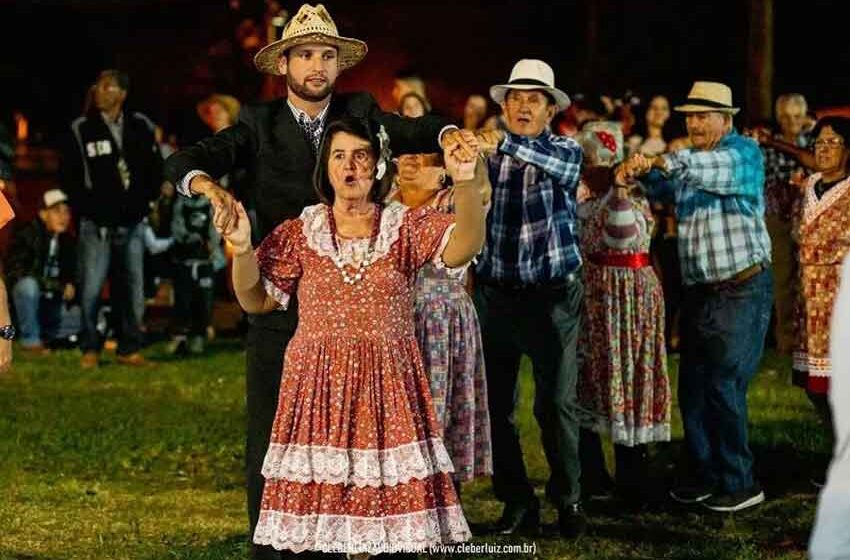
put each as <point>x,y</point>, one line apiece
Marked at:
<point>459,47</point>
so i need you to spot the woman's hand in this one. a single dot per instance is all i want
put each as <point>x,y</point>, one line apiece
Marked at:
<point>460,167</point>
<point>236,232</point>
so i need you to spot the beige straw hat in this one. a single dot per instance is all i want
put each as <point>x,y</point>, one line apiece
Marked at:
<point>310,25</point>
<point>708,96</point>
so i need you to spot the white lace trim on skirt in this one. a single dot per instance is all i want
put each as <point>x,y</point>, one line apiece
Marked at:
<point>412,532</point>
<point>358,467</point>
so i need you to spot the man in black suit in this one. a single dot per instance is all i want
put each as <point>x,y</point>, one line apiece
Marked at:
<point>277,143</point>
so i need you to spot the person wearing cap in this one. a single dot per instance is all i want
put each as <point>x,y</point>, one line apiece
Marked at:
<point>41,266</point>
<point>278,143</point>
<point>724,249</point>
<point>112,170</point>
<point>529,292</point>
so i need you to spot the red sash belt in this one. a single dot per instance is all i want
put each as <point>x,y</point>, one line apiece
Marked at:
<point>621,260</point>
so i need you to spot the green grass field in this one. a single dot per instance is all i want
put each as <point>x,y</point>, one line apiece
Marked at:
<point>147,464</point>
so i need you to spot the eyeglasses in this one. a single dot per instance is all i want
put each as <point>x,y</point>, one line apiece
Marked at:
<point>831,143</point>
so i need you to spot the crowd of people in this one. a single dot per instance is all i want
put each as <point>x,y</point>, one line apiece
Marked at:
<point>404,264</point>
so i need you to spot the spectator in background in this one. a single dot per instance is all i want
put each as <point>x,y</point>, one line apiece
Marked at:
<point>652,132</point>
<point>198,256</point>
<point>779,198</point>
<point>413,105</point>
<point>407,81</point>
<point>219,111</point>
<point>41,266</point>
<point>652,129</point>
<point>474,112</point>
<point>7,330</point>
<point>112,170</point>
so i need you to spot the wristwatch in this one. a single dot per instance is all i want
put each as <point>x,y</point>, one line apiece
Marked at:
<point>7,332</point>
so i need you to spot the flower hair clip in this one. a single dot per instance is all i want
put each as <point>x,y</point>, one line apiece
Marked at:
<point>385,155</point>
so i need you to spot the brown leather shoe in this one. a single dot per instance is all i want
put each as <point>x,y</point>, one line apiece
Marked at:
<point>135,359</point>
<point>89,360</point>
<point>35,349</point>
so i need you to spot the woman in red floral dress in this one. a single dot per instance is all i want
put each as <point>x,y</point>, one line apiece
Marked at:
<point>356,463</point>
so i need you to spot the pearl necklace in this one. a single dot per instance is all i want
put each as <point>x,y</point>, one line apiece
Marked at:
<point>338,260</point>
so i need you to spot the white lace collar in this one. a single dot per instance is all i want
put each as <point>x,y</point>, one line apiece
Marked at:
<point>815,206</point>
<point>317,231</point>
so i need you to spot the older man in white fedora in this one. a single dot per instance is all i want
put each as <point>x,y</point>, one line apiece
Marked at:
<point>529,293</point>
<point>724,249</point>
<point>277,142</point>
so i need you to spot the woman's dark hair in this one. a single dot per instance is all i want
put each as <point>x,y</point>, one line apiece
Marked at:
<point>361,128</point>
<point>669,131</point>
<point>841,126</point>
<point>422,101</point>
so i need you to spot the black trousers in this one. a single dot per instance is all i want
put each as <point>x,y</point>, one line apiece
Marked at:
<point>264,348</point>
<point>542,323</point>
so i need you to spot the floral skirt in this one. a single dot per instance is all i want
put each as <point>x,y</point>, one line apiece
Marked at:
<point>356,463</point>
<point>624,360</point>
<point>450,340</point>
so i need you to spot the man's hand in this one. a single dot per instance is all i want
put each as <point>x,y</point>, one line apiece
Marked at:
<point>489,140</point>
<point>459,166</point>
<point>220,198</point>
<point>236,232</point>
<point>5,355</point>
<point>69,292</point>
<point>461,141</point>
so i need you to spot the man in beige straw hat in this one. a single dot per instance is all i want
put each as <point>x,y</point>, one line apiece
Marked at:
<point>529,294</point>
<point>277,143</point>
<point>724,248</point>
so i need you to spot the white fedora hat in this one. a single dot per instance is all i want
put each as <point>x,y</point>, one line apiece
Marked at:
<point>310,25</point>
<point>531,74</point>
<point>708,96</point>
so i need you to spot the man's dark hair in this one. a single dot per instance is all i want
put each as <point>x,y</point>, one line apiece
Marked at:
<point>121,78</point>
<point>361,128</point>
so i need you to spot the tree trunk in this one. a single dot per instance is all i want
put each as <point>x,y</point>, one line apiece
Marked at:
<point>760,60</point>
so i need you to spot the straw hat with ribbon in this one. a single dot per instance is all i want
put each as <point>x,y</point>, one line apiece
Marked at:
<point>310,25</point>
<point>531,74</point>
<point>708,96</point>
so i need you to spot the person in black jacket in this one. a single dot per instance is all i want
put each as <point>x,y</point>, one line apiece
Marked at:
<point>277,142</point>
<point>41,267</point>
<point>112,171</point>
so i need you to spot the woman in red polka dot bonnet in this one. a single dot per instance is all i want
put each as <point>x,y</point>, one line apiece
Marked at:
<point>356,462</point>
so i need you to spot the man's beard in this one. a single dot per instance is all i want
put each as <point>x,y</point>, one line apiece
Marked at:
<point>308,95</point>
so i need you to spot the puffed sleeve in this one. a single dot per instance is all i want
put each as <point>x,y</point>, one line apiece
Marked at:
<point>279,261</point>
<point>425,233</point>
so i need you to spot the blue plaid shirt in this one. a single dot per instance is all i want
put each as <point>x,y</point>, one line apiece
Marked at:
<point>531,227</point>
<point>719,198</point>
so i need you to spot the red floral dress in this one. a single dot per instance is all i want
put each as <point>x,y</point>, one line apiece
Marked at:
<point>822,230</point>
<point>623,379</point>
<point>356,463</point>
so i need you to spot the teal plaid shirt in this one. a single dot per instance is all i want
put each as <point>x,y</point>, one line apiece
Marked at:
<point>719,198</point>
